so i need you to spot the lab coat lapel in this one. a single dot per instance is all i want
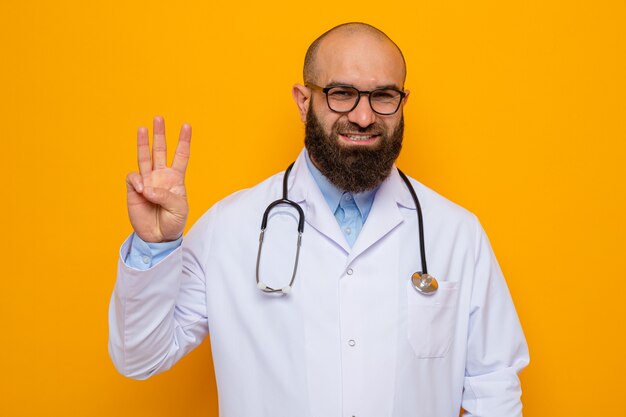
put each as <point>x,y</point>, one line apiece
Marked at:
<point>385,214</point>
<point>317,213</point>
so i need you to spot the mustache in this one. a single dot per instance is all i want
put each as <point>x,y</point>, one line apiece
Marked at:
<point>373,129</point>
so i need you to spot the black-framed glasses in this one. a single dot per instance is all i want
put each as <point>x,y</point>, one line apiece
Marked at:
<point>345,98</point>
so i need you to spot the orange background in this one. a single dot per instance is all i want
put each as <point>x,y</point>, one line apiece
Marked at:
<point>517,112</point>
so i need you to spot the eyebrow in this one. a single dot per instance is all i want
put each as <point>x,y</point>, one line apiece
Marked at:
<point>379,87</point>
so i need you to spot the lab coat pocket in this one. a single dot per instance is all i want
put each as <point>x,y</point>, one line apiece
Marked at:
<point>432,319</point>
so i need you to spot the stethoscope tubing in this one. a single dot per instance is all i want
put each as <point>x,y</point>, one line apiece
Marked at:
<point>420,219</point>
<point>285,200</point>
<point>421,281</point>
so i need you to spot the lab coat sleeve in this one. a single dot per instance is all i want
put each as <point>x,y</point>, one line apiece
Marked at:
<point>140,251</point>
<point>497,349</point>
<point>158,315</point>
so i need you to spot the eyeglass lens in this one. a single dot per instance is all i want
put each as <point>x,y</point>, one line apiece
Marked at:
<point>345,99</point>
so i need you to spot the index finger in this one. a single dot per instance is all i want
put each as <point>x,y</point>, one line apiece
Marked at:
<point>181,157</point>
<point>143,151</point>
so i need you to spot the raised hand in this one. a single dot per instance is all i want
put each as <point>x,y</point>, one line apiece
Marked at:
<point>157,200</point>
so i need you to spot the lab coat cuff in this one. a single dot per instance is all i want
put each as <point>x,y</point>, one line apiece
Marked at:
<point>141,255</point>
<point>131,280</point>
<point>494,394</point>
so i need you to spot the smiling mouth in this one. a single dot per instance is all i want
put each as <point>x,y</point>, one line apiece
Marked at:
<point>359,137</point>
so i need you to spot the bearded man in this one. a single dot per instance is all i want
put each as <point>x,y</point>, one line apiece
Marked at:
<point>330,319</point>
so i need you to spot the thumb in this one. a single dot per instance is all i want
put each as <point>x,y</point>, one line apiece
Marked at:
<point>169,201</point>
<point>134,183</point>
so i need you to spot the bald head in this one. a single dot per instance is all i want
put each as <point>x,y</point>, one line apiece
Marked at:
<point>346,35</point>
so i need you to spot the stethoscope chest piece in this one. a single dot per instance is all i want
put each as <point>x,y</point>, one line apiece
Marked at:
<point>424,283</point>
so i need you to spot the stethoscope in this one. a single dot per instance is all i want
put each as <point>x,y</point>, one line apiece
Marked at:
<point>421,281</point>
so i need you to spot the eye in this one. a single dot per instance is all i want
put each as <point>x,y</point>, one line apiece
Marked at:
<point>342,93</point>
<point>385,95</point>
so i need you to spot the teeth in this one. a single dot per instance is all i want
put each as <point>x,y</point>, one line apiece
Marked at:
<point>359,137</point>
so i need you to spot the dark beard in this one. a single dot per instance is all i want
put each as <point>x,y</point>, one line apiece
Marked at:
<point>352,168</point>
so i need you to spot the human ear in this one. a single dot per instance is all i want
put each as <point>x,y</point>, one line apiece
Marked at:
<point>406,96</point>
<point>302,96</point>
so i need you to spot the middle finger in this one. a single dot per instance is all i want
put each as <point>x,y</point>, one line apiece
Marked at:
<point>159,146</point>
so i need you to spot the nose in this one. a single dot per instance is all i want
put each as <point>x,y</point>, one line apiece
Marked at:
<point>362,114</point>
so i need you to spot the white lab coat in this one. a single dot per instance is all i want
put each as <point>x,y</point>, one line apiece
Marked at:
<point>353,338</point>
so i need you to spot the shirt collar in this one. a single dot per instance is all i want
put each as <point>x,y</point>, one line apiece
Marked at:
<point>332,194</point>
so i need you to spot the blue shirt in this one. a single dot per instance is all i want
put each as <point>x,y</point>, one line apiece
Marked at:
<point>350,210</point>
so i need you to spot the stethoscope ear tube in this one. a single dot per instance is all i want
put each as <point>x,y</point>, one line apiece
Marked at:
<point>264,287</point>
<point>285,200</point>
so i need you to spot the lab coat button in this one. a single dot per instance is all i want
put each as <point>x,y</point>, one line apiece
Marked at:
<point>145,259</point>
<point>349,271</point>
<point>351,343</point>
